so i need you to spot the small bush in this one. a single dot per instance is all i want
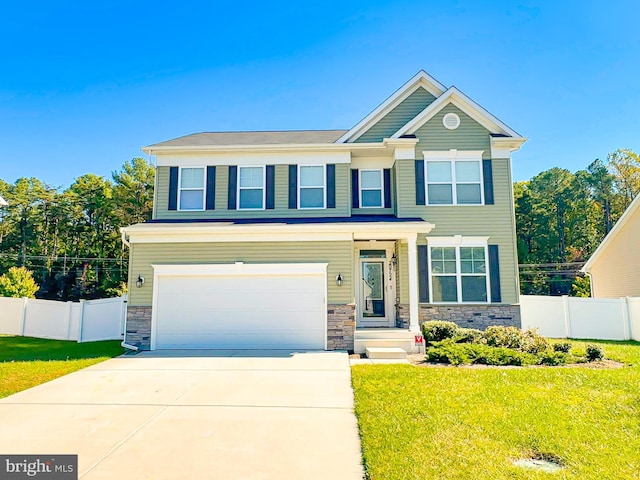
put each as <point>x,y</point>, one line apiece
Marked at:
<point>486,355</point>
<point>468,335</point>
<point>534,342</point>
<point>564,347</point>
<point>466,353</point>
<point>553,358</point>
<point>447,352</point>
<point>436,330</point>
<point>594,352</point>
<point>507,337</point>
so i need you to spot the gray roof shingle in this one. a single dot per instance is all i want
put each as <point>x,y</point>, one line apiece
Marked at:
<point>254,138</point>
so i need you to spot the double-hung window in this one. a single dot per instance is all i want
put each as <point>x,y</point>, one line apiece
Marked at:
<point>311,190</point>
<point>456,180</point>
<point>251,188</point>
<point>458,274</point>
<point>371,189</point>
<point>192,181</point>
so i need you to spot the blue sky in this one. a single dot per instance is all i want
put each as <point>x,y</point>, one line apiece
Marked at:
<point>84,85</point>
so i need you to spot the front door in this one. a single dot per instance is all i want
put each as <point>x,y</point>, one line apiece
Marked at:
<point>375,287</point>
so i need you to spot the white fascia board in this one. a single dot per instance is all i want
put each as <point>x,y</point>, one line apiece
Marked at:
<point>184,233</point>
<point>620,224</point>
<point>421,79</point>
<point>274,148</point>
<point>241,268</point>
<point>253,158</point>
<point>501,147</point>
<point>464,103</point>
<point>453,154</point>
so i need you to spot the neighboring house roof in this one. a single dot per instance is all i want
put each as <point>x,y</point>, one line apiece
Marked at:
<point>253,138</point>
<point>615,231</point>
<point>3,202</point>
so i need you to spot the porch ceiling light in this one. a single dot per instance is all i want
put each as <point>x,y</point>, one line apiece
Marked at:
<point>339,280</point>
<point>140,281</point>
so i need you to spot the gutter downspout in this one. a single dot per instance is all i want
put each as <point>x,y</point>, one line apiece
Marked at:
<point>124,343</point>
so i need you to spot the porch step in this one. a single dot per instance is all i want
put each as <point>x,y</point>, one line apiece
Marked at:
<point>380,352</point>
<point>382,333</point>
<point>360,345</point>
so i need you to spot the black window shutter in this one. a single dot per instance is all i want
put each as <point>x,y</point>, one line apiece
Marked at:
<point>387,187</point>
<point>423,274</point>
<point>420,197</point>
<point>494,272</point>
<point>293,186</point>
<point>331,185</point>
<point>211,188</point>
<point>173,188</point>
<point>355,189</point>
<point>233,186</point>
<point>487,175</point>
<point>271,194</point>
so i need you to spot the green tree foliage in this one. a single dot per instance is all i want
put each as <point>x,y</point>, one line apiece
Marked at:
<point>581,287</point>
<point>18,282</point>
<point>561,218</point>
<point>70,238</point>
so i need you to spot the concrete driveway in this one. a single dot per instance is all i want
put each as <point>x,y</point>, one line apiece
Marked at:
<point>186,415</point>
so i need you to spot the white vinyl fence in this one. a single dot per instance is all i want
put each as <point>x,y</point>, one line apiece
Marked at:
<point>571,317</point>
<point>84,321</point>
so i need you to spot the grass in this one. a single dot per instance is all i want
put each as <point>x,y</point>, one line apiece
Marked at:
<point>469,423</point>
<point>26,362</point>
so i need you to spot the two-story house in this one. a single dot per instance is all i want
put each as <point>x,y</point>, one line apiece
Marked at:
<point>332,239</point>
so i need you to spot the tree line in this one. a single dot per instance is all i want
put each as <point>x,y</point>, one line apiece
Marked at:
<point>561,218</point>
<point>70,238</point>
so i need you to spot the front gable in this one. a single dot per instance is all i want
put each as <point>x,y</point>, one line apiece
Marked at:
<point>398,117</point>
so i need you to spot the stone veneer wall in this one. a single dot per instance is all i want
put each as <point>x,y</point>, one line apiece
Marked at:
<point>341,325</point>
<point>139,327</point>
<point>473,316</point>
<point>402,316</point>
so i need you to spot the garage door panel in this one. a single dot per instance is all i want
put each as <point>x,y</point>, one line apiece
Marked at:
<point>241,311</point>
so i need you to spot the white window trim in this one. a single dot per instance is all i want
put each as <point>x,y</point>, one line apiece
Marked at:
<point>204,189</point>
<point>324,187</point>
<point>361,188</point>
<point>453,156</point>
<point>264,187</point>
<point>458,241</point>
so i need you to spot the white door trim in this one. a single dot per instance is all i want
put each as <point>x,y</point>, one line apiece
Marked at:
<point>234,269</point>
<point>390,284</point>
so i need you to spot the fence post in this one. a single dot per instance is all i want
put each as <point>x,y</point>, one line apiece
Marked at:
<point>23,320</point>
<point>69,305</point>
<point>626,317</point>
<point>123,314</point>
<point>567,316</point>
<point>81,321</point>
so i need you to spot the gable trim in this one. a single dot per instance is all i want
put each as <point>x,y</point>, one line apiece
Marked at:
<point>608,240</point>
<point>421,79</point>
<point>464,103</point>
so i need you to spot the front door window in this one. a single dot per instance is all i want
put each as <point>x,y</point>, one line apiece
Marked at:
<point>373,289</point>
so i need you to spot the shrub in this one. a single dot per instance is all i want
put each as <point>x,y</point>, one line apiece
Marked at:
<point>534,342</point>
<point>594,352</point>
<point>436,330</point>
<point>465,353</point>
<point>553,358</point>
<point>564,347</point>
<point>447,352</point>
<point>507,337</point>
<point>486,355</point>
<point>18,282</point>
<point>468,335</point>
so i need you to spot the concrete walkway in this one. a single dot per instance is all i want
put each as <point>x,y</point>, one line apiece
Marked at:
<point>204,414</point>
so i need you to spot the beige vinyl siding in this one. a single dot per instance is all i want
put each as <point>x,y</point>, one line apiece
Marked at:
<point>495,221</point>
<point>372,211</point>
<point>343,199</point>
<point>398,117</point>
<point>338,255</point>
<point>616,272</point>
<point>402,274</point>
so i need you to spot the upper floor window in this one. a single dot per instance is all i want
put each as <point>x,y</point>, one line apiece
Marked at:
<point>453,178</point>
<point>371,189</point>
<point>191,195</point>
<point>311,186</point>
<point>251,188</point>
<point>458,274</point>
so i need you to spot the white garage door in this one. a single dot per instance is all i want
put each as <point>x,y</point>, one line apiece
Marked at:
<point>252,308</point>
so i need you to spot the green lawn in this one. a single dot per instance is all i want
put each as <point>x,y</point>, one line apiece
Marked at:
<point>26,362</point>
<point>470,423</point>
